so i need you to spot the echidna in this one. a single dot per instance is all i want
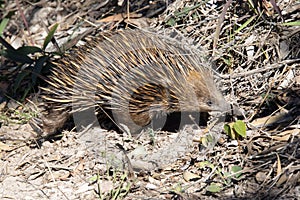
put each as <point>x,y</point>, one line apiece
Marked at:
<point>136,75</point>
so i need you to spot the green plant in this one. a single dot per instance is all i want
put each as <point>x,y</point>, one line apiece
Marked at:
<point>225,175</point>
<point>235,129</point>
<point>20,115</point>
<point>117,185</point>
<point>180,15</point>
<point>32,63</point>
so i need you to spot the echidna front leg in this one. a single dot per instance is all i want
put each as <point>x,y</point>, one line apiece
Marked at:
<point>50,123</point>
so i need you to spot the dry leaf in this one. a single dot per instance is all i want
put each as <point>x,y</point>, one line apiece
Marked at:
<point>283,178</point>
<point>5,147</point>
<point>279,169</point>
<point>189,176</point>
<point>268,120</point>
<point>285,135</point>
<point>260,177</point>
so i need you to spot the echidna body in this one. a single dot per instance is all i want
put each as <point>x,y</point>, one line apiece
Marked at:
<point>135,74</point>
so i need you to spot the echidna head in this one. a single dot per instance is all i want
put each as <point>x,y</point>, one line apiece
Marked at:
<point>201,93</point>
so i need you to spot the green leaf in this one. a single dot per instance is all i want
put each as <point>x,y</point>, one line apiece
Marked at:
<point>203,164</point>
<point>186,10</point>
<point>226,175</point>
<point>227,129</point>
<point>20,54</point>
<point>294,23</point>
<point>213,187</point>
<point>19,79</point>
<point>171,22</point>
<point>16,56</point>
<point>227,61</point>
<point>235,169</point>
<point>244,25</point>
<point>38,68</point>
<point>5,20</point>
<point>208,140</point>
<point>3,25</point>
<point>25,50</point>
<point>93,178</point>
<point>240,128</point>
<point>178,188</point>
<point>49,36</point>
<point>26,92</point>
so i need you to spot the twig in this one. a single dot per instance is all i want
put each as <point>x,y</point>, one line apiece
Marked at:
<point>24,20</point>
<point>267,68</point>
<point>218,28</point>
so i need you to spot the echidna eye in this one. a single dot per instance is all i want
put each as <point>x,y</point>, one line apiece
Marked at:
<point>209,103</point>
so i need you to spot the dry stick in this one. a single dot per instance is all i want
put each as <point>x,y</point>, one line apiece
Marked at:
<point>24,20</point>
<point>218,28</point>
<point>261,103</point>
<point>269,67</point>
<point>127,160</point>
<point>277,9</point>
<point>128,13</point>
<point>266,96</point>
